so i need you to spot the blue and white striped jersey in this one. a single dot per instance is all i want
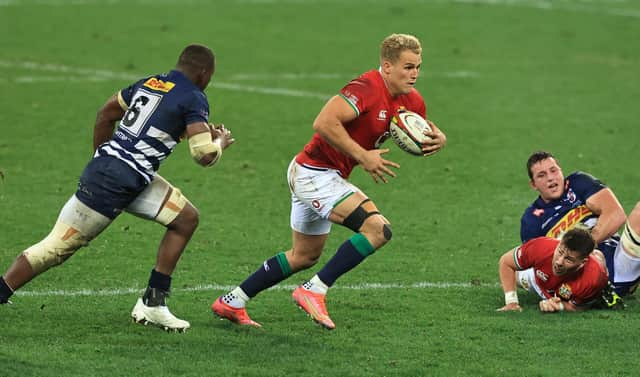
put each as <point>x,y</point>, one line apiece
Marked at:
<point>158,109</point>
<point>553,219</point>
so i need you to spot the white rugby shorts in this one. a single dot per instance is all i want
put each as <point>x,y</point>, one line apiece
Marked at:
<point>314,193</point>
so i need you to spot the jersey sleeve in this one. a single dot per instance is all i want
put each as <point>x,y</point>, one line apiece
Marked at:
<point>196,109</point>
<point>585,185</point>
<point>529,227</point>
<point>125,95</point>
<point>523,255</point>
<point>355,93</point>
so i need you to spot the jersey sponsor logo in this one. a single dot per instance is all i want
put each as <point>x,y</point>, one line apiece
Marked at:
<point>571,196</point>
<point>382,115</point>
<point>568,221</point>
<point>565,292</point>
<point>541,275</point>
<point>538,212</point>
<point>162,86</point>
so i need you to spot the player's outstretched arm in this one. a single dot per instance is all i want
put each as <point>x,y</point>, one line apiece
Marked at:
<point>108,114</point>
<point>507,269</point>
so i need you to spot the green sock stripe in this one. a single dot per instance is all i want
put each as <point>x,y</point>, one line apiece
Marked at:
<point>284,264</point>
<point>362,244</point>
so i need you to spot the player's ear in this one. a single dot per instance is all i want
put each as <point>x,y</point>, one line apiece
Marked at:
<point>386,66</point>
<point>532,185</point>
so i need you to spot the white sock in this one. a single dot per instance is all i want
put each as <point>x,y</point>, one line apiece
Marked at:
<point>236,298</point>
<point>316,285</point>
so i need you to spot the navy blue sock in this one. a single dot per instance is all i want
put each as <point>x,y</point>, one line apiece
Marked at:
<point>273,271</point>
<point>5,291</point>
<point>159,280</point>
<point>349,254</point>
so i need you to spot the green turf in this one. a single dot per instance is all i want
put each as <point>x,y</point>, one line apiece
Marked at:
<point>501,78</point>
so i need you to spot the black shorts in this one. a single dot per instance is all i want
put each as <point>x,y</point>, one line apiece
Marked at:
<point>108,185</point>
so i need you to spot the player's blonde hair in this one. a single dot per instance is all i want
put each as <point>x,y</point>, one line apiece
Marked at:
<point>393,45</point>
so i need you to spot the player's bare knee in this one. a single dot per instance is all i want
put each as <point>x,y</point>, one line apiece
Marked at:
<point>630,238</point>
<point>187,221</point>
<point>377,232</point>
<point>633,220</point>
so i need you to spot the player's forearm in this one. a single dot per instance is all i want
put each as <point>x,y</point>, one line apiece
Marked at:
<point>507,278</point>
<point>102,131</point>
<point>607,225</point>
<point>507,271</point>
<point>110,112</point>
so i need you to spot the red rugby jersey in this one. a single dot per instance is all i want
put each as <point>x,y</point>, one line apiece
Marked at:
<point>579,287</point>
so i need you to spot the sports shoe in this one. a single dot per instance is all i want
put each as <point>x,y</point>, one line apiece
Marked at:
<point>610,299</point>
<point>152,309</point>
<point>313,304</point>
<point>235,315</point>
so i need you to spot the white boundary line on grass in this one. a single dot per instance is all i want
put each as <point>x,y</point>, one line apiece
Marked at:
<point>285,287</point>
<point>102,75</point>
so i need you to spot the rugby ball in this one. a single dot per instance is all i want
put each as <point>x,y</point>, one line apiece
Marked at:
<point>406,130</point>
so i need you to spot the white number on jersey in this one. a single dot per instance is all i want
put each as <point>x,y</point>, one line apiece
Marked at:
<point>142,106</point>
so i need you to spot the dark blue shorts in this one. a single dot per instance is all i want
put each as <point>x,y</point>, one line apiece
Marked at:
<point>108,185</point>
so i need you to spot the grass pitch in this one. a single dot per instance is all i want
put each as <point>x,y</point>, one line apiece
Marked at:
<point>501,78</point>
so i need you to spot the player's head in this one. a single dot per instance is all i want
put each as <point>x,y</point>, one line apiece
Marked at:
<point>198,63</point>
<point>573,251</point>
<point>545,175</point>
<point>400,60</point>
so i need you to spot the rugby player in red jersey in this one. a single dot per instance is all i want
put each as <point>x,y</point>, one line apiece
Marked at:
<point>567,274</point>
<point>348,131</point>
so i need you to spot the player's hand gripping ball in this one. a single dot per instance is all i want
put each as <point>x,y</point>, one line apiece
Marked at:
<point>407,131</point>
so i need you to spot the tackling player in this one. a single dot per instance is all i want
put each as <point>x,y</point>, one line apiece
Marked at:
<point>153,115</point>
<point>580,198</point>
<point>564,273</point>
<point>348,131</point>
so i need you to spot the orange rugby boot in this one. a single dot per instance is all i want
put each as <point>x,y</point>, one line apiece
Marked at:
<point>313,304</point>
<point>235,315</point>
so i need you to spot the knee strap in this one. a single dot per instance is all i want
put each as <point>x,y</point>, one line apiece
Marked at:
<point>630,241</point>
<point>172,207</point>
<point>355,220</point>
<point>54,249</point>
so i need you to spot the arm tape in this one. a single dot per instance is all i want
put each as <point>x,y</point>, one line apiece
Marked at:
<point>510,297</point>
<point>201,145</point>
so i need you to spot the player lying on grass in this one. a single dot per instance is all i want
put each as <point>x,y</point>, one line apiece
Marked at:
<point>567,274</point>
<point>349,130</point>
<point>579,198</point>
<point>153,114</point>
